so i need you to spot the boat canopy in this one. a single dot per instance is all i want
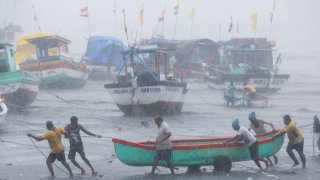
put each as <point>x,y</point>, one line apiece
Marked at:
<point>27,45</point>
<point>102,50</point>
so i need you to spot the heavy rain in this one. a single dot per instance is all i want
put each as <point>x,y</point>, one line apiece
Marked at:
<point>159,89</point>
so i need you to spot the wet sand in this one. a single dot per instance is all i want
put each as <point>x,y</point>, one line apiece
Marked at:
<point>203,115</point>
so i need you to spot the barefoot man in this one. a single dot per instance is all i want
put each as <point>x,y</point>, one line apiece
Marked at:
<point>76,145</point>
<point>53,135</point>
<point>250,140</point>
<point>163,145</point>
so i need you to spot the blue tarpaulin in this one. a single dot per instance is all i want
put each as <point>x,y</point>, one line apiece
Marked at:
<point>104,49</point>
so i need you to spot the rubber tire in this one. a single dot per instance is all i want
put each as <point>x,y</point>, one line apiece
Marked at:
<point>222,164</point>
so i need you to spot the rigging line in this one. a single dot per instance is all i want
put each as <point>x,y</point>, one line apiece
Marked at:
<point>46,156</point>
<point>201,98</point>
<point>23,126</point>
<point>5,141</point>
<point>28,123</point>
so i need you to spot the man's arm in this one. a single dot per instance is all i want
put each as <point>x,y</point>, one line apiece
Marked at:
<point>88,132</point>
<point>66,131</point>
<point>270,124</point>
<point>37,138</point>
<point>165,138</point>
<point>235,139</point>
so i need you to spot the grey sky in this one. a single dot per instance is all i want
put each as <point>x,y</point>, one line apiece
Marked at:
<point>295,26</point>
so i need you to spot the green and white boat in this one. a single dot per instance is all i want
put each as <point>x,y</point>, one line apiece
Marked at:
<point>197,152</point>
<point>19,88</point>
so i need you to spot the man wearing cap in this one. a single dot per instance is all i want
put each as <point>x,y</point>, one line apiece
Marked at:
<point>257,125</point>
<point>250,141</point>
<point>296,141</point>
<point>53,135</point>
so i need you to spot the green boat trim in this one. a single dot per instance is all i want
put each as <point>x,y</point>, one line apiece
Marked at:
<point>190,152</point>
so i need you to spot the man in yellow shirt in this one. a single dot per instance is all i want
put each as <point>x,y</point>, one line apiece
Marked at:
<point>296,141</point>
<point>53,135</point>
<point>249,90</point>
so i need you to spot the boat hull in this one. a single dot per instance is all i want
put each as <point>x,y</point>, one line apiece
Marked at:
<point>162,97</point>
<point>262,83</point>
<point>58,73</point>
<point>196,153</point>
<point>259,102</point>
<point>19,88</point>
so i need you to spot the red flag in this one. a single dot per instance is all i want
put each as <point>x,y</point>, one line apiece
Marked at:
<point>161,17</point>
<point>176,9</point>
<point>141,17</point>
<point>84,12</point>
<point>35,17</point>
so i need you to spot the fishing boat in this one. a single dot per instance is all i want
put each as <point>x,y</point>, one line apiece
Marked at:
<point>247,60</point>
<point>19,88</point>
<point>147,87</point>
<point>259,102</point>
<point>47,56</point>
<point>197,152</point>
<point>103,57</point>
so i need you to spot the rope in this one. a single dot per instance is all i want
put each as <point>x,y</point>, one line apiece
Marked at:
<point>47,157</point>
<point>5,141</point>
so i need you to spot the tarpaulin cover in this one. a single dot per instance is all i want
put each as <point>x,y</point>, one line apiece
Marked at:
<point>102,50</point>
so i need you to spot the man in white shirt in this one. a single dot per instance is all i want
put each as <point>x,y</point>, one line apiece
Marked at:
<point>249,139</point>
<point>163,145</point>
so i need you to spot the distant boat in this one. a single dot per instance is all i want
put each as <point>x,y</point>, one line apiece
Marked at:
<point>47,56</point>
<point>103,57</point>
<point>19,88</point>
<point>147,87</point>
<point>247,60</point>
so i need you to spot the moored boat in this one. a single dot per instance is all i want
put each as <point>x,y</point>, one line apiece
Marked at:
<point>46,56</point>
<point>19,88</point>
<point>247,60</point>
<point>259,102</point>
<point>148,88</point>
<point>197,152</point>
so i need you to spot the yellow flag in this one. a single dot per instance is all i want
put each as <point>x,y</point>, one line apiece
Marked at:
<point>191,14</point>
<point>254,18</point>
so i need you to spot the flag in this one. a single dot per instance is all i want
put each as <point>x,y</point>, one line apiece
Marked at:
<point>35,17</point>
<point>230,26</point>
<point>254,18</point>
<point>141,17</point>
<point>84,12</point>
<point>271,17</point>
<point>161,17</point>
<point>191,14</point>
<point>274,4</point>
<point>176,9</point>
<point>238,27</point>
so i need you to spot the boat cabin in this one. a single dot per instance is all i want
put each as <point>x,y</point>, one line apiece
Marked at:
<point>150,64</point>
<point>51,48</point>
<point>6,58</point>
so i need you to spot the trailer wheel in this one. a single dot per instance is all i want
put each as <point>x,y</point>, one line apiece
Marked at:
<point>194,169</point>
<point>222,164</point>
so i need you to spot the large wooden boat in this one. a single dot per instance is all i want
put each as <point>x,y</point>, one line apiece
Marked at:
<point>19,88</point>
<point>46,56</point>
<point>149,88</point>
<point>197,152</point>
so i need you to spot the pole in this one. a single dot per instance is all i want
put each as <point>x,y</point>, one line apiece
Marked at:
<point>157,28</point>
<point>175,26</point>
<point>219,31</point>
<point>89,26</point>
<point>191,28</point>
<point>162,27</point>
<point>115,18</point>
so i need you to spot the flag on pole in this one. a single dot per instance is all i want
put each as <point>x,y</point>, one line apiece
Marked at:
<point>141,18</point>
<point>35,17</point>
<point>254,18</point>
<point>84,11</point>
<point>271,17</point>
<point>161,17</point>
<point>274,4</point>
<point>231,25</point>
<point>176,9</point>
<point>191,14</point>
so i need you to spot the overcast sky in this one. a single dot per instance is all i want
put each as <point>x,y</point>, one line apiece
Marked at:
<point>296,23</point>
